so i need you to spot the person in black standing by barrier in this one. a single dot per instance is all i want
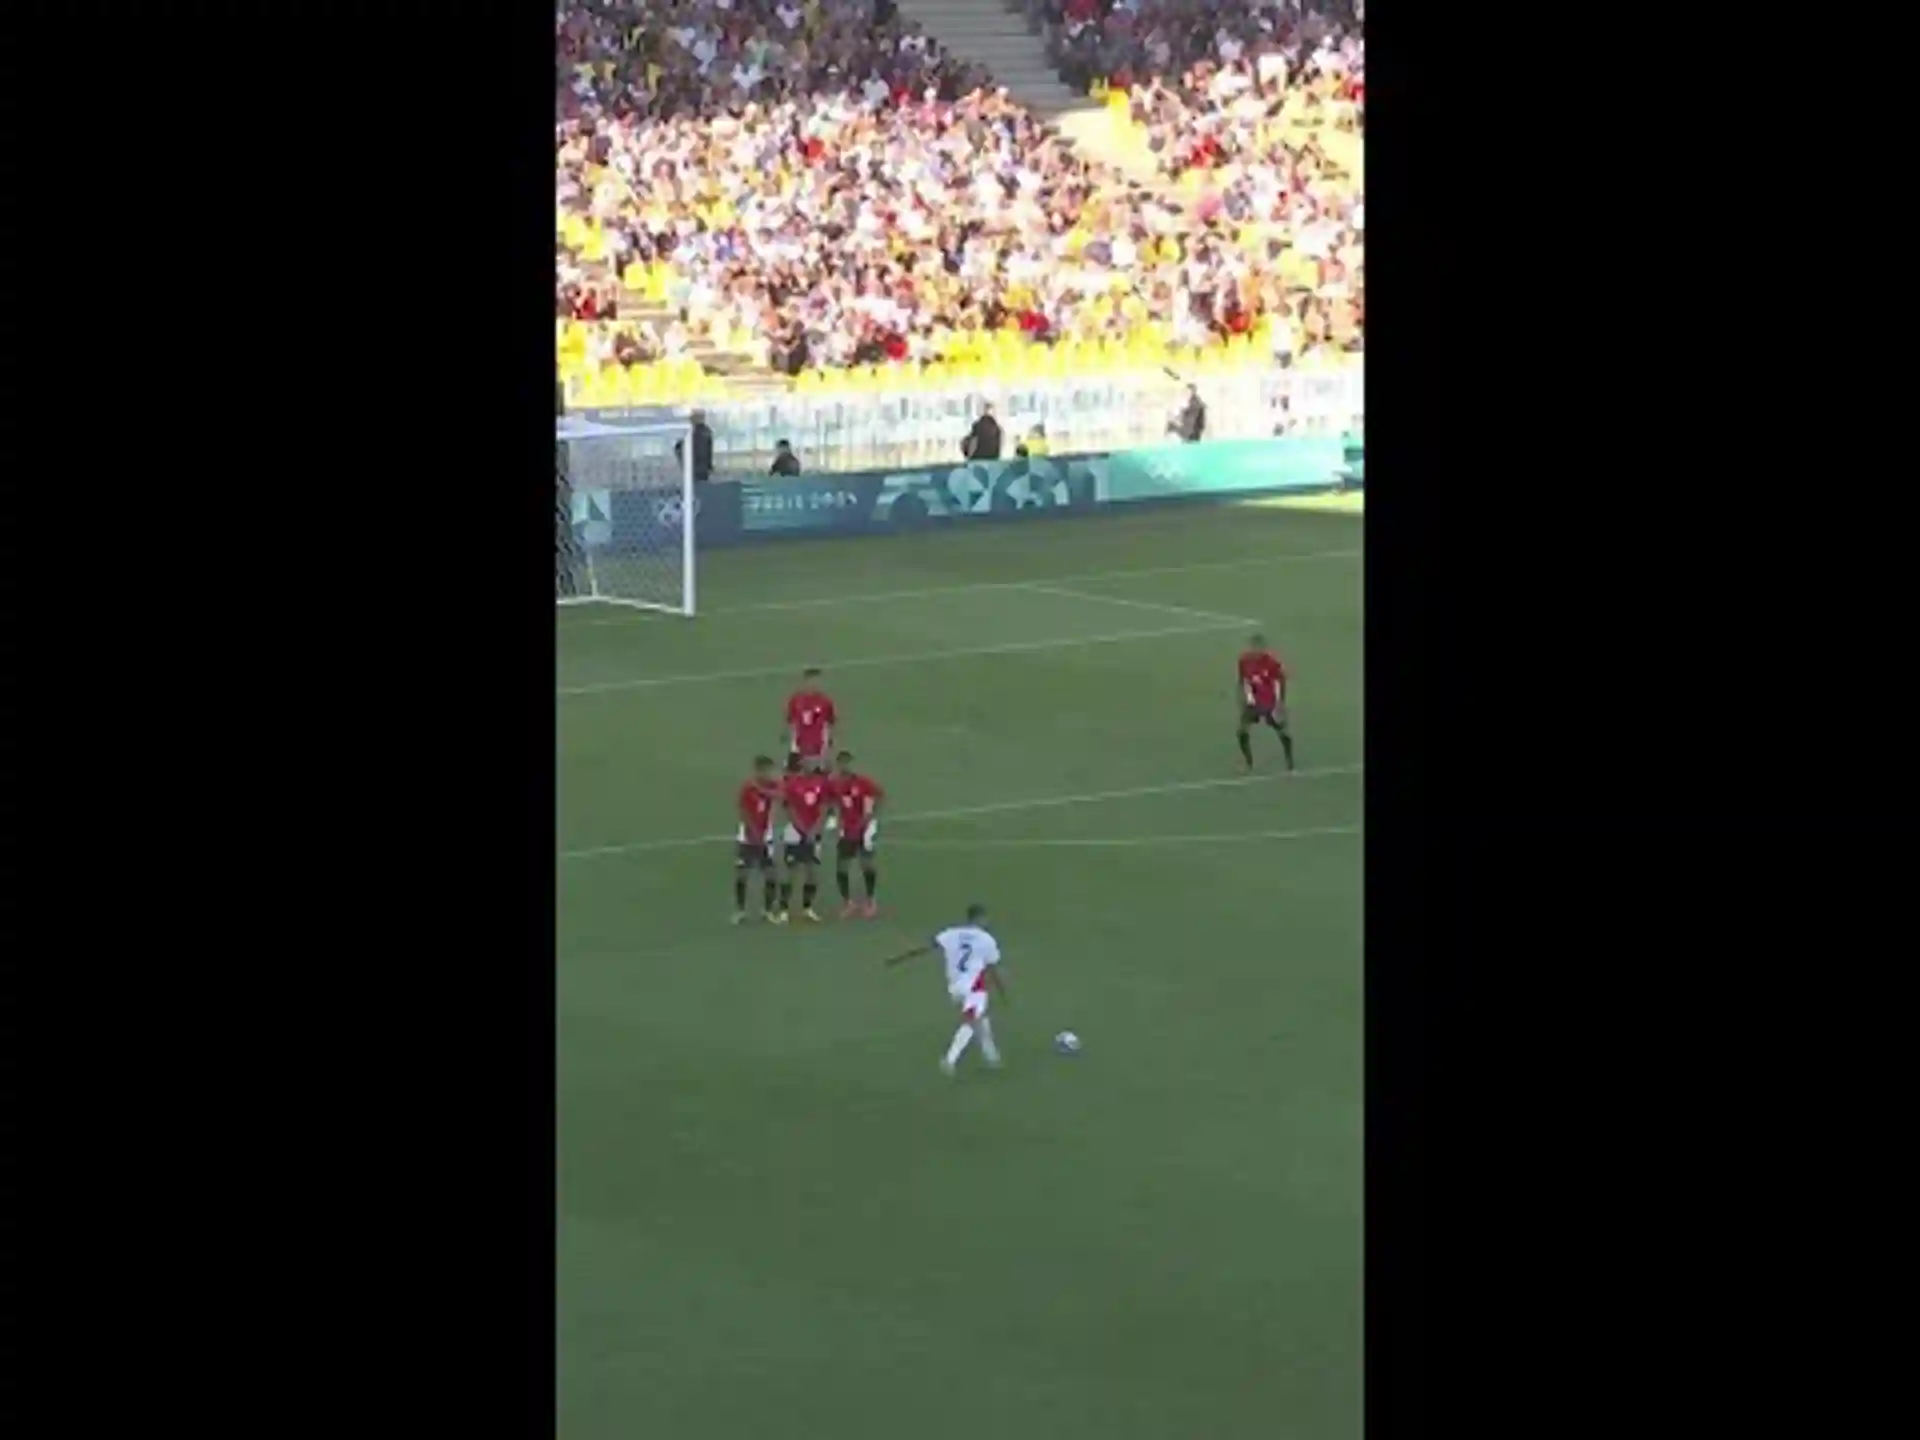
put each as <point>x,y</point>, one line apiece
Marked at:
<point>983,440</point>
<point>785,462</point>
<point>702,449</point>
<point>1190,423</point>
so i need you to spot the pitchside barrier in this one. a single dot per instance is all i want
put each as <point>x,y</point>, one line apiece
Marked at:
<point>1091,414</point>
<point>736,509</point>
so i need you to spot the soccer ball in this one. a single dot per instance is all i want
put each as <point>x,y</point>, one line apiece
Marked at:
<point>1066,1043</point>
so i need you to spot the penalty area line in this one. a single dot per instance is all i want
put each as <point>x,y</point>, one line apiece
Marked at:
<point>1000,807</point>
<point>1014,647</point>
<point>826,602</point>
<point>1121,842</point>
<point>1151,606</point>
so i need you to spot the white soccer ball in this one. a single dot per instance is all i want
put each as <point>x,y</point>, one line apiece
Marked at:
<point>1067,1043</point>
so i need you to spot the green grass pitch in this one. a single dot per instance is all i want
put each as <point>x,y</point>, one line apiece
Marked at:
<point>777,1218</point>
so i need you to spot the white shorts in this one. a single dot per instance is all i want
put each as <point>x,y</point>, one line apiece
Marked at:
<point>972,1003</point>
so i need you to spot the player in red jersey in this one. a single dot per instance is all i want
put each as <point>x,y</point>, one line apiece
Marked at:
<point>810,721</point>
<point>753,841</point>
<point>807,797</point>
<point>858,799</point>
<point>1263,698</point>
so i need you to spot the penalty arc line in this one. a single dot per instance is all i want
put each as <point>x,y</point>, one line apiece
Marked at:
<point>1016,647</point>
<point>825,602</point>
<point>1000,807</point>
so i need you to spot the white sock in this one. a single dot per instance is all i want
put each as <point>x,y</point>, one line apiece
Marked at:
<point>960,1039</point>
<point>987,1047</point>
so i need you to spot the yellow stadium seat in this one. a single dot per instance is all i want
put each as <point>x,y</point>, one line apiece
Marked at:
<point>634,277</point>
<point>807,381</point>
<point>663,382</point>
<point>614,385</point>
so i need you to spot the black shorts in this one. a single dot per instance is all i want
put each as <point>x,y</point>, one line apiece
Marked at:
<point>749,856</point>
<point>1261,714</point>
<point>803,852</point>
<point>852,847</point>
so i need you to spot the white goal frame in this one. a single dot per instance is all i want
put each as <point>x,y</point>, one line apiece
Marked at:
<point>623,472</point>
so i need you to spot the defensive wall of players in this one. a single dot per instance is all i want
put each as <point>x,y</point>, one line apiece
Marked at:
<point>744,509</point>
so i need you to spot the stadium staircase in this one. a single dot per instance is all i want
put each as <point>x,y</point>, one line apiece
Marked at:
<point>987,33</point>
<point>739,371</point>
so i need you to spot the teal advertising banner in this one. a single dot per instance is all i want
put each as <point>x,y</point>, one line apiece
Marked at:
<point>881,501</point>
<point>1224,467</point>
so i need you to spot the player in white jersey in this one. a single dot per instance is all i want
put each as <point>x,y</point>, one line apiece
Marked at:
<point>971,957</point>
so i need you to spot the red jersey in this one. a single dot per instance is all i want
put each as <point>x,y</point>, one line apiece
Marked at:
<point>810,720</point>
<point>756,811</point>
<point>807,797</point>
<point>857,798</point>
<point>1263,679</point>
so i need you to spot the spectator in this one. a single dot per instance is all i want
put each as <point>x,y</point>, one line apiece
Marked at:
<point>983,440</point>
<point>1190,423</point>
<point>785,462</point>
<point>1035,444</point>
<point>822,176</point>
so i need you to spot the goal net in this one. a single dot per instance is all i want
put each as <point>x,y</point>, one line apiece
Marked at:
<point>624,514</point>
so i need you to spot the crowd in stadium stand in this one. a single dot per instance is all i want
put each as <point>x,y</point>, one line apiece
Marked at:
<point>843,193</point>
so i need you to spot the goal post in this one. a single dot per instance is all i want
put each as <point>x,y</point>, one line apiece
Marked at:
<point>624,514</point>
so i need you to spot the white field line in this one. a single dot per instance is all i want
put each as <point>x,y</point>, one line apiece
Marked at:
<point>828,601</point>
<point>1128,841</point>
<point>1152,606</point>
<point>1001,807</point>
<point>1013,647</point>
